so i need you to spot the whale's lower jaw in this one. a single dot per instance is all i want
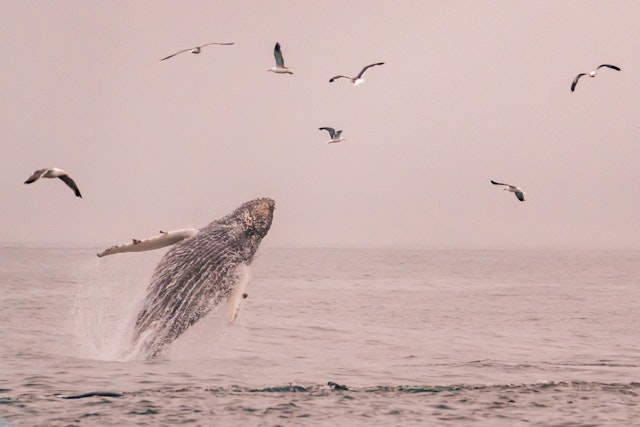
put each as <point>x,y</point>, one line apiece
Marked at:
<point>198,273</point>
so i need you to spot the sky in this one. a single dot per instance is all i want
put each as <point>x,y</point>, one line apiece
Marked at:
<point>470,91</point>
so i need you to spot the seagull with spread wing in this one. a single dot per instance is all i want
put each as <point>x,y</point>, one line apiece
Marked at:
<point>591,74</point>
<point>507,187</point>
<point>357,79</point>
<point>336,135</point>
<point>195,50</point>
<point>279,68</point>
<point>54,173</point>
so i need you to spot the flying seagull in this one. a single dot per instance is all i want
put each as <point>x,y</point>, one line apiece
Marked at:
<point>279,68</point>
<point>54,173</point>
<point>195,50</point>
<point>334,134</point>
<point>519,193</point>
<point>357,79</point>
<point>591,74</point>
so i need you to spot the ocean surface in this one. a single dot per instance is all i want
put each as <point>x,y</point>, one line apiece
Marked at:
<point>358,337</point>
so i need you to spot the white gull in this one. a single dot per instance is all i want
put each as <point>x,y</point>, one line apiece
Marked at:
<point>591,74</point>
<point>357,79</point>
<point>195,50</point>
<point>517,190</point>
<point>279,68</point>
<point>54,173</point>
<point>336,135</point>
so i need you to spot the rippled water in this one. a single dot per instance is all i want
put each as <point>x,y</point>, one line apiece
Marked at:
<point>406,337</point>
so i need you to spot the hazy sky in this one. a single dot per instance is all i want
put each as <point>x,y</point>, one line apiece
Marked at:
<point>470,91</point>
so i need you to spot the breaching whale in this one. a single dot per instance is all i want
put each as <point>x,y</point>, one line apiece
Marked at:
<point>197,273</point>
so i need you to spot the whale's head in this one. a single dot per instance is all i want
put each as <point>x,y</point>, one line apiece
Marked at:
<point>256,216</point>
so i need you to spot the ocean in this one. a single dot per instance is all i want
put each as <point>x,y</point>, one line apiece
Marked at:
<point>359,337</point>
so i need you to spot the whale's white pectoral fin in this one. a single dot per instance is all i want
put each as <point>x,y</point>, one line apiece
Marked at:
<point>238,293</point>
<point>165,238</point>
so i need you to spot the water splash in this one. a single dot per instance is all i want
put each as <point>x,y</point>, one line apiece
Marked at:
<point>110,293</point>
<point>107,297</point>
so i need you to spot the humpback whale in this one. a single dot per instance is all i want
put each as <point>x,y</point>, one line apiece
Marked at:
<point>197,273</point>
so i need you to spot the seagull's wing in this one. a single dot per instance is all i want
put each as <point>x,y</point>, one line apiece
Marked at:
<point>338,77</point>
<point>520,195</point>
<point>221,44</point>
<point>337,134</point>
<point>498,183</point>
<point>613,67</point>
<point>35,176</point>
<point>575,81</point>
<point>278,54</point>
<point>174,54</point>
<point>367,67</point>
<point>331,131</point>
<point>71,183</point>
